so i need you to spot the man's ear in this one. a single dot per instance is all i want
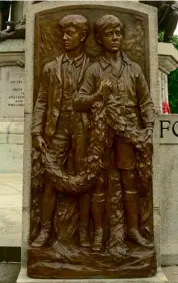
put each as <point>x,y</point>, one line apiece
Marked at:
<point>122,42</point>
<point>98,38</point>
<point>83,36</point>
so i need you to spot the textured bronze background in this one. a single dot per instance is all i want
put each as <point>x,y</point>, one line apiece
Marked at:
<point>91,209</point>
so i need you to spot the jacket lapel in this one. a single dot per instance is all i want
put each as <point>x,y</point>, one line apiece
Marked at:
<point>85,64</point>
<point>58,68</point>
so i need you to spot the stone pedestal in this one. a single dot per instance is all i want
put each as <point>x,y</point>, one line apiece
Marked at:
<point>168,62</point>
<point>154,89</point>
<point>11,106</point>
<point>160,277</point>
<point>11,145</point>
<point>168,184</point>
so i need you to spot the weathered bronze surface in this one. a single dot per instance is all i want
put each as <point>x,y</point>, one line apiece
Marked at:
<point>91,191</point>
<point>12,29</point>
<point>167,16</point>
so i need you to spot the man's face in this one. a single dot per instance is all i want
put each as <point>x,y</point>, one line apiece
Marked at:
<point>111,38</point>
<point>72,38</point>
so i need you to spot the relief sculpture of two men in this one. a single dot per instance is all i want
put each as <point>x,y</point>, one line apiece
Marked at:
<point>93,125</point>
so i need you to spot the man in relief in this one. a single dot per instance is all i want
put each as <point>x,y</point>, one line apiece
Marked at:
<point>115,75</point>
<point>56,128</point>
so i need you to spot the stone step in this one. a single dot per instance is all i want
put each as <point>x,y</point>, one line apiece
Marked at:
<point>171,273</point>
<point>10,210</point>
<point>9,272</point>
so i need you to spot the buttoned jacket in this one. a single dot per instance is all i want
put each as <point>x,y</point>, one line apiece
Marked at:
<point>48,104</point>
<point>128,86</point>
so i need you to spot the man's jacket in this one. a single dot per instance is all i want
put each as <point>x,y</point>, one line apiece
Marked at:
<point>48,104</point>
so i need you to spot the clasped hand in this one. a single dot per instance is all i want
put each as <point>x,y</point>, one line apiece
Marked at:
<point>40,144</point>
<point>105,89</point>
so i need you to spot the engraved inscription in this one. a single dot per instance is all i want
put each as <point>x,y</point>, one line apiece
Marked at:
<point>11,92</point>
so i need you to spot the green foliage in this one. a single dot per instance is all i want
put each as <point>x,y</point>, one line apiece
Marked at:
<point>173,83</point>
<point>173,91</point>
<point>161,36</point>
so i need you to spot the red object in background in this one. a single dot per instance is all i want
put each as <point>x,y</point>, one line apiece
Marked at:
<point>165,108</point>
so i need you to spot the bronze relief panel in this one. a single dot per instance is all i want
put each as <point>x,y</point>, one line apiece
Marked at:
<point>91,192</point>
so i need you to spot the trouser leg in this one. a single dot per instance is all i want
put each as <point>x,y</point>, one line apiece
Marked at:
<point>79,148</point>
<point>131,205</point>
<point>84,204</point>
<point>48,206</point>
<point>4,14</point>
<point>97,209</point>
<point>58,150</point>
<point>171,26</point>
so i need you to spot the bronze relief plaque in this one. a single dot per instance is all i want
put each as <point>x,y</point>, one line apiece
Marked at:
<point>91,191</point>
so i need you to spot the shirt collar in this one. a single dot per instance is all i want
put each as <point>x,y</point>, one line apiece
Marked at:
<point>77,61</point>
<point>104,63</point>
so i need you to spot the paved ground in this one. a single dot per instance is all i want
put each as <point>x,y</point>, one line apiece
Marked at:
<point>9,272</point>
<point>171,273</point>
<point>10,210</point>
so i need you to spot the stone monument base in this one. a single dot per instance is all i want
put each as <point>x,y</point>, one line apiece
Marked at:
<point>169,254</point>
<point>84,263</point>
<point>158,278</point>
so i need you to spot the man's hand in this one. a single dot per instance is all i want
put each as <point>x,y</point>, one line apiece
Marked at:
<point>105,88</point>
<point>39,143</point>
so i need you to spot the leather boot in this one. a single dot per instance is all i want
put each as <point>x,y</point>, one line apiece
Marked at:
<point>131,211</point>
<point>98,205</point>
<point>43,236</point>
<point>98,240</point>
<point>84,234</point>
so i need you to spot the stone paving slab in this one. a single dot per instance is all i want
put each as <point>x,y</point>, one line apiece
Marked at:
<point>171,273</point>
<point>9,272</point>
<point>10,210</point>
